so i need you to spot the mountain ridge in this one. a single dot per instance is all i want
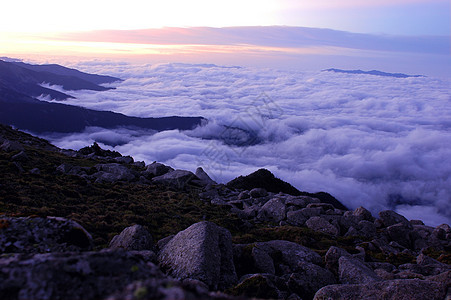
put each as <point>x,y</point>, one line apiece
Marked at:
<point>18,106</point>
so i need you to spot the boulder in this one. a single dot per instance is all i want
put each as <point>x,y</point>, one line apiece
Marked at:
<point>203,251</point>
<point>41,235</point>
<point>69,275</point>
<point>281,257</point>
<point>157,169</point>
<point>389,217</point>
<point>113,172</point>
<point>352,270</point>
<point>176,178</point>
<point>263,286</point>
<point>299,217</point>
<point>362,213</point>
<point>10,146</point>
<point>400,233</point>
<point>308,279</point>
<point>258,193</point>
<point>124,159</point>
<point>203,177</point>
<point>332,256</point>
<point>135,237</point>
<point>20,157</point>
<point>273,210</point>
<point>399,289</point>
<point>165,288</point>
<point>322,225</point>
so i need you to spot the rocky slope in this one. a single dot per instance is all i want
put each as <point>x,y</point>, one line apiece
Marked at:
<point>93,224</point>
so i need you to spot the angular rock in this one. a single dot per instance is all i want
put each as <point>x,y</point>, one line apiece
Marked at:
<point>299,217</point>
<point>363,214</point>
<point>273,210</point>
<point>157,169</point>
<point>389,217</point>
<point>203,177</point>
<point>308,279</point>
<point>351,270</point>
<point>258,193</point>
<point>399,289</point>
<point>113,172</point>
<point>41,235</point>
<point>259,286</point>
<point>69,275</point>
<point>21,157</point>
<point>10,146</point>
<point>164,288</point>
<point>282,257</point>
<point>177,178</point>
<point>400,233</point>
<point>124,159</point>
<point>322,225</point>
<point>332,256</point>
<point>203,251</point>
<point>135,237</point>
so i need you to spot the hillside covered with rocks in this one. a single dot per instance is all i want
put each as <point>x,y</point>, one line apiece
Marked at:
<point>93,224</point>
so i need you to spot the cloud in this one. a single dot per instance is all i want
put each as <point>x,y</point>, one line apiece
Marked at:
<point>282,38</point>
<point>373,141</point>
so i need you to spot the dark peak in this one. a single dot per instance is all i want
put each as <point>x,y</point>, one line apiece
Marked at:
<point>263,178</point>
<point>372,72</point>
<point>98,151</point>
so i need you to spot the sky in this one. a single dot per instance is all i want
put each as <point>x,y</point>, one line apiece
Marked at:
<point>217,31</point>
<point>411,17</point>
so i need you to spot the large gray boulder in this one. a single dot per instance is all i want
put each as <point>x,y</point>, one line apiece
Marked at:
<point>135,237</point>
<point>270,256</point>
<point>389,217</point>
<point>352,270</point>
<point>41,235</point>
<point>308,279</point>
<point>113,172</point>
<point>332,256</point>
<point>177,178</point>
<point>299,217</point>
<point>400,233</point>
<point>204,252</point>
<point>167,289</point>
<point>322,225</point>
<point>70,275</point>
<point>273,210</point>
<point>204,179</point>
<point>399,289</point>
<point>157,169</point>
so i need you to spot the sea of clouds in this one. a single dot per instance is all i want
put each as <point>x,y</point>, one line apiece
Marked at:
<point>379,142</point>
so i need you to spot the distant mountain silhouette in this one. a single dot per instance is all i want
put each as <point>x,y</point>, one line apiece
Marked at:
<point>18,107</point>
<point>373,72</point>
<point>27,79</point>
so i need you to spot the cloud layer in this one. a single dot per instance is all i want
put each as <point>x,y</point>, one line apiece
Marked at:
<point>379,142</point>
